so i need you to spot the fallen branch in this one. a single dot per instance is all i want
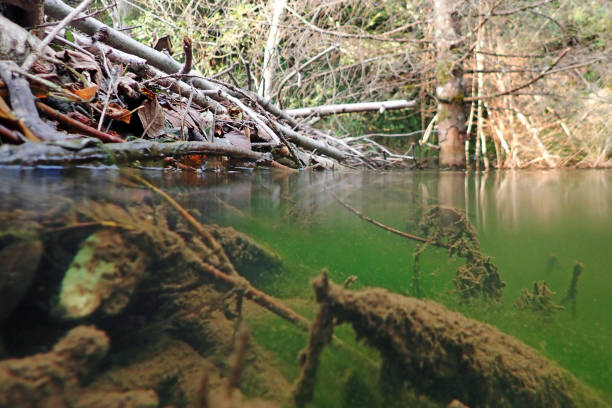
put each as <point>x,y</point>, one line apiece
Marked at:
<point>22,103</point>
<point>311,144</point>
<point>75,124</point>
<point>208,238</point>
<point>386,227</point>
<point>351,107</point>
<point>140,65</point>
<point>16,43</point>
<point>163,62</point>
<point>87,150</point>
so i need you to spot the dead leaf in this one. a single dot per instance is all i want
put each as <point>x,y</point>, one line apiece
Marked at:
<point>152,118</point>
<point>234,111</point>
<point>129,87</point>
<point>7,114</point>
<point>238,139</point>
<point>116,112</point>
<point>263,134</point>
<point>163,43</point>
<point>148,93</point>
<point>176,118</point>
<point>82,62</point>
<point>193,160</point>
<point>40,68</point>
<point>86,94</point>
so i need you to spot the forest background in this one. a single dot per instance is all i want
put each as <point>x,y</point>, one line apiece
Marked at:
<point>536,73</point>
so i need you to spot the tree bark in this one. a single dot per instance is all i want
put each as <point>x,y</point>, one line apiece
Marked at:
<point>450,91</point>
<point>269,65</point>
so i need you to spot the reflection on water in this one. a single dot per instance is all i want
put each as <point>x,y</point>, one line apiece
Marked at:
<point>535,225</point>
<point>510,198</point>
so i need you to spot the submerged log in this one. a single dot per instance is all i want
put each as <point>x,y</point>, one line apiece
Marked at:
<point>50,379</point>
<point>447,355</point>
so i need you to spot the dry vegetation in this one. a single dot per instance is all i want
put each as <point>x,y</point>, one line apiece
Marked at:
<point>349,51</point>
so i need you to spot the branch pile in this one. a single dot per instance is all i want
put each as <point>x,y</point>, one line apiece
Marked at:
<point>101,84</point>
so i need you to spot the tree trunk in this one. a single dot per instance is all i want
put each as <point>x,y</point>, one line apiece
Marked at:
<point>26,13</point>
<point>269,65</point>
<point>450,92</point>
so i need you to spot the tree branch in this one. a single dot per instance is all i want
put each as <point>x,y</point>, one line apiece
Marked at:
<point>525,85</point>
<point>327,110</point>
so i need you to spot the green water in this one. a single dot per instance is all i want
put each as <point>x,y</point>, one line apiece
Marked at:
<point>536,225</point>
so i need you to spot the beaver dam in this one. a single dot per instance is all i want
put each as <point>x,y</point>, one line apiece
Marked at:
<point>151,288</point>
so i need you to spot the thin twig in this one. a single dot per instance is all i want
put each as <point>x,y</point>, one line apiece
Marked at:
<point>381,37</point>
<point>113,80</point>
<point>301,67</point>
<point>386,227</point>
<point>526,84</point>
<point>209,239</point>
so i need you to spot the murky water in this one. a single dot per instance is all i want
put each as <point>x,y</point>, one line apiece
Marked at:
<point>536,225</point>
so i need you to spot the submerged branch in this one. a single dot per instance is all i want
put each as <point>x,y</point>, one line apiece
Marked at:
<point>386,227</point>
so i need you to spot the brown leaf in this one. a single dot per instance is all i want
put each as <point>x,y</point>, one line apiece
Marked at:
<point>234,111</point>
<point>7,114</point>
<point>129,87</point>
<point>177,117</point>
<point>238,139</point>
<point>152,118</point>
<point>116,112</point>
<point>263,134</point>
<point>82,62</point>
<point>40,68</point>
<point>148,93</point>
<point>164,43</point>
<point>86,94</point>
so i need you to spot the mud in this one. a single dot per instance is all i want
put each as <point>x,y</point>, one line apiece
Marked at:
<point>449,356</point>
